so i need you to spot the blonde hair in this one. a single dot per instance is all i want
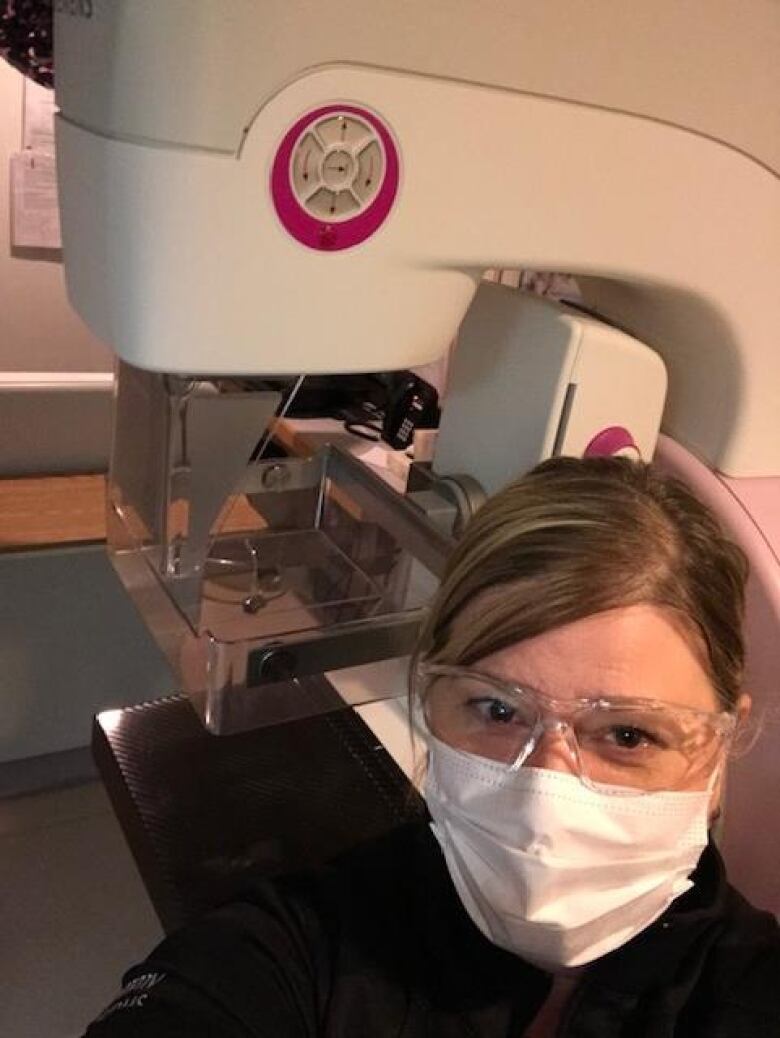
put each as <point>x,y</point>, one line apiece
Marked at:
<point>575,537</point>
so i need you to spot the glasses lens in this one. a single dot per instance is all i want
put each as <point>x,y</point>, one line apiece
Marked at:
<point>636,746</point>
<point>643,748</point>
<point>474,715</point>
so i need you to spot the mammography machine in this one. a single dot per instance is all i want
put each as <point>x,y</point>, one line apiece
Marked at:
<point>268,187</point>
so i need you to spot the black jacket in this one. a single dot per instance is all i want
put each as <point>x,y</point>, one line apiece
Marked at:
<point>378,945</point>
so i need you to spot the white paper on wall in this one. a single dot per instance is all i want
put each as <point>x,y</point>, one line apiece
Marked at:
<point>38,118</point>
<point>35,214</point>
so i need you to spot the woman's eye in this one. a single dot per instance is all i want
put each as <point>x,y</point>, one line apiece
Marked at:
<point>494,710</point>
<point>629,738</point>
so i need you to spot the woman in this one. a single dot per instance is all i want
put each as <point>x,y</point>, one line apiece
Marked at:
<point>579,684</point>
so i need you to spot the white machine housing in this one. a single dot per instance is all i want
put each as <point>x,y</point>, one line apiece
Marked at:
<point>634,146</point>
<point>553,380</point>
<point>172,116</point>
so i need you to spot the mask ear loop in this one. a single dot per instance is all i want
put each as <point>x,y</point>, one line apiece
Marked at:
<point>718,771</point>
<point>715,823</point>
<point>732,747</point>
<point>530,746</point>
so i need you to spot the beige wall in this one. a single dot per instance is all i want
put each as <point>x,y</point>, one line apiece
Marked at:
<point>38,329</point>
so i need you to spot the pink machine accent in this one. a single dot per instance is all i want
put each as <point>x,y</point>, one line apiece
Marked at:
<point>319,234</point>
<point>750,511</point>
<point>609,441</point>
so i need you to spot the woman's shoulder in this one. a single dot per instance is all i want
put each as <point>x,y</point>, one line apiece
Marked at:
<point>375,887</point>
<point>393,865</point>
<point>750,942</point>
<point>743,969</point>
<point>280,948</point>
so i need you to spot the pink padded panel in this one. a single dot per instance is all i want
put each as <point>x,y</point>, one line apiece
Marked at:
<point>750,510</point>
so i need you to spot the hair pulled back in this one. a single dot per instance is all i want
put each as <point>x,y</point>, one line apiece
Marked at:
<point>575,537</point>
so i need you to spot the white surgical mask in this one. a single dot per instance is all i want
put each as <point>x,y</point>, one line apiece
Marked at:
<point>554,871</point>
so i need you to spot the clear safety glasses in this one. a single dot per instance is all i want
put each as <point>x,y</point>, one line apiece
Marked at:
<point>621,745</point>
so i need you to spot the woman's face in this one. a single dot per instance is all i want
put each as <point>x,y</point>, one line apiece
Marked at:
<point>631,652</point>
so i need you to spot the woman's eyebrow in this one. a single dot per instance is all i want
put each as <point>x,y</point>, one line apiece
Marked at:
<point>513,682</point>
<point>591,693</point>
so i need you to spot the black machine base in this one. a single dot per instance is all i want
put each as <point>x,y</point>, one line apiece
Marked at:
<point>201,811</point>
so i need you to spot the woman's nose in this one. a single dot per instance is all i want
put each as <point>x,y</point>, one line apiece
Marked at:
<point>553,750</point>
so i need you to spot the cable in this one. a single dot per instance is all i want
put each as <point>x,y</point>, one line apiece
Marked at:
<point>258,452</point>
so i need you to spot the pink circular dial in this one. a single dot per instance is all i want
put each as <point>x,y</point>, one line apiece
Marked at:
<point>335,177</point>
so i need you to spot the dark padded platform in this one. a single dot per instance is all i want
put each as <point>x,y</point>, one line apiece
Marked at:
<point>199,810</point>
